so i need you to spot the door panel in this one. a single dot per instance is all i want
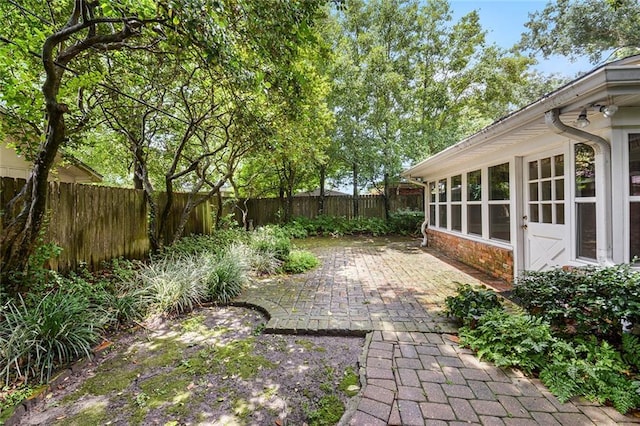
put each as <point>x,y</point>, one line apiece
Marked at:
<point>546,234</point>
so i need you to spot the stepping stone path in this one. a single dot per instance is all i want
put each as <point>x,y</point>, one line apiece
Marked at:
<point>414,372</point>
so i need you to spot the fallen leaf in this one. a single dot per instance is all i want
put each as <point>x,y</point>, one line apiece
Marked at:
<point>278,422</point>
<point>191,386</point>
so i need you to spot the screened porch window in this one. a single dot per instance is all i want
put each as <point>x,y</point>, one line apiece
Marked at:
<point>456,203</point>
<point>634,195</point>
<point>585,178</point>
<point>432,204</point>
<point>442,203</point>
<point>474,202</point>
<point>499,214</point>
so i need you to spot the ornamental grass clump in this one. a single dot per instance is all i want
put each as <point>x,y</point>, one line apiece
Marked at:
<point>175,284</point>
<point>229,273</point>
<point>37,338</point>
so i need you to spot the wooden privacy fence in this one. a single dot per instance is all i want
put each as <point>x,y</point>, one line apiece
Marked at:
<point>263,211</point>
<point>94,224</point>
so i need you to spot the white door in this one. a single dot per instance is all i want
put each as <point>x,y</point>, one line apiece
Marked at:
<point>546,234</point>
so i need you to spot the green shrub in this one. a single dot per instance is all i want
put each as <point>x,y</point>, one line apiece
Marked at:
<point>470,303</point>
<point>510,340</point>
<point>272,240</point>
<point>215,243</point>
<point>583,301</point>
<point>300,261</point>
<point>406,222</point>
<point>591,369</point>
<point>334,225</point>
<point>35,339</point>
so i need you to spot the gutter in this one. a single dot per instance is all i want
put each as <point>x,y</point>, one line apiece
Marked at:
<point>603,185</point>
<point>425,224</point>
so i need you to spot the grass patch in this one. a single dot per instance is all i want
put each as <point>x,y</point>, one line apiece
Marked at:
<point>330,410</point>
<point>350,383</point>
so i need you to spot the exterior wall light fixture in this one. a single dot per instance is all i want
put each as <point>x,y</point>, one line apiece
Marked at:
<point>582,121</point>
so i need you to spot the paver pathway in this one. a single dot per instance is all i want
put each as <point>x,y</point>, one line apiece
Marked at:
<point>415,373</point>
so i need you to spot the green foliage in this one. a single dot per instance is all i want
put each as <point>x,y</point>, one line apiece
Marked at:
<point>338,226</point>
<point>175,284</point>
<point>631,350</point>
<point>470,303</point>
<point>300,261</point>
<point>406,222</point>
<point>590,369</point>
<point>329,412</point>
<point>510,340</point>
<point>9,398</point>
<point>588,27</point>
<point>57,330</point>
<point>196,244</point>
<point>583,301</point>
<point>272,240</point>
<point>230,274</point>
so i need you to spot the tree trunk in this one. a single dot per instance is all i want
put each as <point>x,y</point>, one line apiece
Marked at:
<point>386,196</point>
<point>323,172</point>
<point>20,234</point>
<point>356,208</point>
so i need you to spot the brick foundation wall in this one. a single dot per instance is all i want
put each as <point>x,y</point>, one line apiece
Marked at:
<point>495,261</point>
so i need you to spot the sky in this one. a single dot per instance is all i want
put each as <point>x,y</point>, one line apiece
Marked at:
<point>504,22</point>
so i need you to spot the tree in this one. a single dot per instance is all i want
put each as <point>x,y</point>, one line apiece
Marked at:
<point>586,27</point>
<point>71,39</point>
<point>74,30</point>
<point>411,82</point>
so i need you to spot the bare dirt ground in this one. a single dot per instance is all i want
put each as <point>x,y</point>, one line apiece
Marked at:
<point>213,366</point>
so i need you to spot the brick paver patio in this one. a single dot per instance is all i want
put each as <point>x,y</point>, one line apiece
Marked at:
<point>414,372</point>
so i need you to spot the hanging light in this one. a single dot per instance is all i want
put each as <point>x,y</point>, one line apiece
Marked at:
<point>582,120</point>
<point>608,110</point>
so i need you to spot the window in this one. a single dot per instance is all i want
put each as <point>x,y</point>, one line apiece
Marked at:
<point>585,177</point>
<point>474,202</point>
<point>499,213</point>
<point>546,190</point>
<point>456,203</point>
<point>442,203</point>
<point>432,204</point>
<point>634,195</point>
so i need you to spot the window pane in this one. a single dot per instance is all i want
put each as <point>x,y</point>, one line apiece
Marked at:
<point>442,213</point>
<point>456,188</point>
<point>559,165</point>
<point>634,237</point>
<point>442,190</point>
<point>456,217</point>
<point>432,191</point>
<point>499,182</point>
<point>533,170</point>
<point>546,190</point>
<point>547,216</point>
<point>432,215</point>
<point>585,171</point>
<point>533,191</point>
<point>559,189</point>
<point>634,164</point>
<point>474,186</point>
<point>586,229</point>
<point>499,223</point>
<point>474,219</point>
<point>560,214</point>
<point>545,167</point>
<point>533,213</point>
